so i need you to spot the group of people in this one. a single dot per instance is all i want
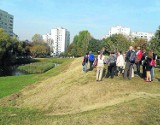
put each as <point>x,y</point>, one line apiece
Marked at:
<point>121,63</point>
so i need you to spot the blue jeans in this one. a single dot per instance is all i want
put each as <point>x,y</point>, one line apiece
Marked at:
<point>85,67</point>
<point>152,73</point>
<point>91,65</point>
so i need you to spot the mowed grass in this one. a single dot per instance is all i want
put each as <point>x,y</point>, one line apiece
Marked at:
<point>74,98</point>
<point>136,112</point>
<point>13,84</point>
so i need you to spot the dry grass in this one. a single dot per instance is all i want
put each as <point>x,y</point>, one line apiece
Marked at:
<point>74,91</point>
<point>76,98</point>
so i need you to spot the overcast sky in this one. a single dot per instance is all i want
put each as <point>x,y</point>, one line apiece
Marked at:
<point>96,16</point>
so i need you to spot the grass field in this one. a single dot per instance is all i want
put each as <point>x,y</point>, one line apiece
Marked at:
<point>67,96</point>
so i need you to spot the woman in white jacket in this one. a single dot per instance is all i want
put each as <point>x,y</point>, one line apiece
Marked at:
<point>120,63</point>
<point>100,66</point>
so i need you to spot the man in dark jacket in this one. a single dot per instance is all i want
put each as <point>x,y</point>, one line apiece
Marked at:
<point>129,64</point>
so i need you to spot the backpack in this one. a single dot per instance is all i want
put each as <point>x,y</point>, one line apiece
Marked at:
<point>152,63</point>
<point>139,55</point>
<point>132,57</point>
<point>95,62</point>
<point>112,60</point>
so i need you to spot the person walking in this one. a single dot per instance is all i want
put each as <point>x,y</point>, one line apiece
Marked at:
<point>100,66</point>
<point>91,60</point>
<point>85,62</point>
<point>130,60</point>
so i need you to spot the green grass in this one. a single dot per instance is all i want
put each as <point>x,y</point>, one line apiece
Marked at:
<point>136,112</point>
<point>13,84</point>
<point>16,116</point>
<point>41,65</point>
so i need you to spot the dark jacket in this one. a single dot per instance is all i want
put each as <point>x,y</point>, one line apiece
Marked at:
<point>85,59</point>
<point>144,56</point>
<point>128,56</point>
<point>148,67</point>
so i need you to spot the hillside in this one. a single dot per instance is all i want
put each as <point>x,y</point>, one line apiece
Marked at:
<point>75,98</point>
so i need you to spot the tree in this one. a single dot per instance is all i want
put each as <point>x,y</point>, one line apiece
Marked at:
<point>116,42</point>
<point>70,49</point>
<point>39,48</point>
<point>155,42</point>
<point>121,43</point>
<point>10,49</point>
<point>139,42</point>
<point>6,48</point>
<point>80,44</point>
<point>108,44</point>
<point>37,38</point>
<point>94,45</point>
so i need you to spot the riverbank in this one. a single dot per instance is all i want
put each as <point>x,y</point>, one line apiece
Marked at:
<point>13,84</point>
<point>40,66</point>
<point>11,70</point>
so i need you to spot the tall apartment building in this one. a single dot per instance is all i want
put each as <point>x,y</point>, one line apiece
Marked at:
<point>119,30</point>
<point>6,22</point>
<point>58,40</point>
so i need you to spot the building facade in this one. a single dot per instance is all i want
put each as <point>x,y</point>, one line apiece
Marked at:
<point>6,22</point>
<point>119,30</point>
<point>58,40</point>
<point>144,35</point>
<point>127,32</point>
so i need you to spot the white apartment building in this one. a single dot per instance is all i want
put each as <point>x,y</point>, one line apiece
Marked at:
<point>58,40</point>
<point>144,35</point>
<point>6,22</point>
<point>119,30</point>
<point>127,32</point>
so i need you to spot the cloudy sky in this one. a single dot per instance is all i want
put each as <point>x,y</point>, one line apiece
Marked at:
<point>96,16</point>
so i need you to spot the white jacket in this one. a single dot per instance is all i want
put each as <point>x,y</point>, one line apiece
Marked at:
<point>100,61</point>
<point>120,61</point>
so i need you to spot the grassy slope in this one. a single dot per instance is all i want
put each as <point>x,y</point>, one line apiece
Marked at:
<point>74,98</point>
<point>13,84</point>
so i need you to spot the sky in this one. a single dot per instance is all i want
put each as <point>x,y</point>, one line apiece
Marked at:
<point>97,16</point>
